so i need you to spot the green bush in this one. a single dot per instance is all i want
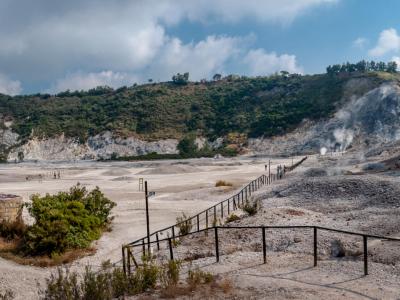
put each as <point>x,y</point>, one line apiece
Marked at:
<point>251,207</point>
<point>67,220</point>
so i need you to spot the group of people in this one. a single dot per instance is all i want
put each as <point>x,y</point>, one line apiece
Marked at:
<point>56,174</point>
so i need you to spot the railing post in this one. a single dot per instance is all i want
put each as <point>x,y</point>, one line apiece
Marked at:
<point>229,206</point>
<point>365,243</point>
<point>143,248</point>
<point>198,222</point>
<point>215,215</point>
<point>129,261</point>
<point>207,218</point>
<point>242,197</point>
<point>216,243</point>
<point>123,260</point>
<point>315,246</point>
<point>233,203</point>
<point>264,245</point>
<point>222,209</point>
<point>246,192</point>
<point>158,243</point>
<point>171,252</point>
<point>173,232</point>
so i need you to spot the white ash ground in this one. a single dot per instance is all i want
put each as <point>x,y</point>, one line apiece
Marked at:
<point>368,203</point>
<point>177,189</point>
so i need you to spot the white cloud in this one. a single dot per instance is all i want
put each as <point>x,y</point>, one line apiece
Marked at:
<point>396,59</point>
<point>259,62</point>
<point>360,42</point>
<point>48,40</point>
<point>201,59</point>
<point>84,81</point>
<point>8,86</point>
<point>389,41</point>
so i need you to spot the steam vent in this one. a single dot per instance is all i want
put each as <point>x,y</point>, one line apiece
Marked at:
<point>10,207</point>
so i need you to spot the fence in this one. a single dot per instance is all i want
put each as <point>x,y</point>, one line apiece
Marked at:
<point>204,219</point>
<point>217,229</point>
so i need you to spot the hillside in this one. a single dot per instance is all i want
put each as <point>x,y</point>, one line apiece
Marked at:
<point>257,107</point>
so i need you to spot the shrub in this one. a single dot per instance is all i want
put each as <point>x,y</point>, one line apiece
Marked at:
<point>105,284</point>
<point>251,207</point>
<point>197,276</point>
<point>231,218</point>
<point>169,275</point>
<point>184,225</point>
<point>222,183</point>
<point>12,230</point>
<point>66,221</point>
<point>7,295</point>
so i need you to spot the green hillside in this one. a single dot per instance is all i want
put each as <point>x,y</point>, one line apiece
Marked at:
<point>256,106</point>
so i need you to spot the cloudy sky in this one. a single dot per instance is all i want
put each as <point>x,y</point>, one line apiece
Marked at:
<point>55,45</point>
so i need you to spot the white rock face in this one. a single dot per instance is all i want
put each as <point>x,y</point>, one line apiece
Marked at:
<point>99,146</point>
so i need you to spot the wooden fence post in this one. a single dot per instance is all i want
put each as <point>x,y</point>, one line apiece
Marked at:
<point>158,243</point>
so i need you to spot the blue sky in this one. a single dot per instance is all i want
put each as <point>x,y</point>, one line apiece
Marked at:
<point>54,45</point>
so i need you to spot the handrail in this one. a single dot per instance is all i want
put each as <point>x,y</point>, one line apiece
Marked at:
<point>247,189</point>
<point>365,237</point>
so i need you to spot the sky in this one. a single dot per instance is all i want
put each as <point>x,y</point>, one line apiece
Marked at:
<point>49,46</point>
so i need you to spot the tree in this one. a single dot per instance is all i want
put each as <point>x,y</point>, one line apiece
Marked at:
<point>217,77</point>
<point>187,146</point>
<point>391,67</point>
<point>181,78</point>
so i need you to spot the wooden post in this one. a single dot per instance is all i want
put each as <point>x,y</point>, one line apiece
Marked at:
<point>173,232</point>
<point>215,215</point>
<point>229,206</point>
<point>143,248</point>
<point>264,245</point>
<point>171,251</point>
<point>315,246</point>
<point>216,243</point>
<point>365,243</point>
<point>198,223</point>
<point>222,209</point>
<point>207,218</point>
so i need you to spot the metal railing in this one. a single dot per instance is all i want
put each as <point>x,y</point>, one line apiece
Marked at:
<point>208,217</point>
<point>217,229</point>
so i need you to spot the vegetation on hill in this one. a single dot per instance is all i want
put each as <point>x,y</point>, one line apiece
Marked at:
<point>257,106</point>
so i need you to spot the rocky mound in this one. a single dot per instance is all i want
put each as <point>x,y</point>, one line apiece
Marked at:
<point>361,191</point>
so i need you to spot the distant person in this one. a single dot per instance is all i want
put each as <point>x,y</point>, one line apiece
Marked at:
<point>55,175</point>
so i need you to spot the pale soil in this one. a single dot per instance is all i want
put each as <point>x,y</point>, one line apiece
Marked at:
<point>180,186</point>
<point>367,203</point>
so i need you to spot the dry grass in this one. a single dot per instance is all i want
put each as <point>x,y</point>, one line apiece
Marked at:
<point>8,250</point>
<point>294,212</point>
<point>223,183</point>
